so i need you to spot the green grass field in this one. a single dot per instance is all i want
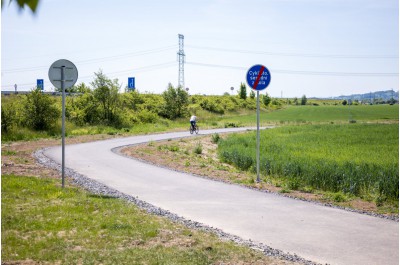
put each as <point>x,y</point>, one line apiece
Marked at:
<point>287,115</point>
<point>359,159</point>
<point>322,114</point>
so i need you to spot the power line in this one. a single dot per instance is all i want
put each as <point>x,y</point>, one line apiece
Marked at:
<point>334,56</point>
<point>96,60</point>
<point>136,70</point>
<point>299,72</point>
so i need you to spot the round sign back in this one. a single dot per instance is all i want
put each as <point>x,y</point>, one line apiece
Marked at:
<point>60,67</point>
<point>258,77</point>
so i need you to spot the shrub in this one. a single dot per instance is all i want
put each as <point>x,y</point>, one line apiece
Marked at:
<point>7,118</point>
<point>146,116</point>
<point>230,125</point>
<point>212,105</point>
<point>40,112</point>
<point>83,110</point>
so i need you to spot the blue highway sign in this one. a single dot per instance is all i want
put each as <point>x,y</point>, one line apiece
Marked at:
<point>40,84</point>
<point>131,83</point>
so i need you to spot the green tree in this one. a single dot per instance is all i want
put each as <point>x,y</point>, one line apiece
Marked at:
<point>105,92</point>
<point>296,101</point>
<point>303,100</point>
<point>40,112</point>
<point>344,102</point>
<point>82,88</point>
<point>242,91</point>
<point>176,102</point>
<point>266,99</point>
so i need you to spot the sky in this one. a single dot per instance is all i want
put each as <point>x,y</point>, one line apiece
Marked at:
<point>317,48</point>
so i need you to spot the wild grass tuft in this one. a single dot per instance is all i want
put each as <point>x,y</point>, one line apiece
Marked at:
<point>198,149</point>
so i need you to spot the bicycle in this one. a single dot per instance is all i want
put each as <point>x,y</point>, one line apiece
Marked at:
<point>195,129</point>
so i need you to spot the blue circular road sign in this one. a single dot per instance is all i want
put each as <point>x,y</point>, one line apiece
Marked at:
<point>258,77</point>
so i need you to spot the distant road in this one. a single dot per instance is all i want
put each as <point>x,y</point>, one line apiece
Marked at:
<point>314,232</point>
<point>7,93</point>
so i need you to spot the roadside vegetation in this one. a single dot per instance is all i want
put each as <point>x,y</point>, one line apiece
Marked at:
<point>100,108</point>
<point>321,150</point>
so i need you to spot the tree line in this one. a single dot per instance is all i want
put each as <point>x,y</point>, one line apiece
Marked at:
<point>102,104</point>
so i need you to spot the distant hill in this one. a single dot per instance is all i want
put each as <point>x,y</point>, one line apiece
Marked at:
<point>378,95</point>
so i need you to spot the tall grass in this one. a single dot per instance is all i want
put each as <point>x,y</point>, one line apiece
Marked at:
<point>353,158</point>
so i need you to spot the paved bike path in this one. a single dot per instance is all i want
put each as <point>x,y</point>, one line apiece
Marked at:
<point>314,232</point>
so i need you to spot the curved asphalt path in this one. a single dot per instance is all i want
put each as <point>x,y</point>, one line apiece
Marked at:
<point>314,232</point>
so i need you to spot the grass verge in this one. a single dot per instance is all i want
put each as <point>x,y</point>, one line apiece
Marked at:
<point>43,224</point>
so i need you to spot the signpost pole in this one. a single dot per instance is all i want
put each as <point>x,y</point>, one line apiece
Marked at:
<point>258,136</point>
<point>63,74</point>
<point>63,125</point>
<point>258,78</point>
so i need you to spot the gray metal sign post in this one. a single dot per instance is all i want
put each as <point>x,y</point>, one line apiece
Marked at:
<point>258,136</point>
<point>258,78</point>
<point>63,74</point>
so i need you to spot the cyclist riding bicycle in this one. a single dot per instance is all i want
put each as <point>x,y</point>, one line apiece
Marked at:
<point>193,121</point>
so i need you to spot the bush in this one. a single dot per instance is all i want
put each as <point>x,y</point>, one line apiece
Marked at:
<point>40,112</point>
<point>83,110</point>
<point>230,125</point>
<point>7,118</point>
<point>212,105</point>
<point>146,116</point>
